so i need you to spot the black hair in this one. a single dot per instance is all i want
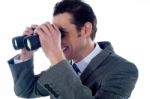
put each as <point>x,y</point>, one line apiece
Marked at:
<point>80,11</point>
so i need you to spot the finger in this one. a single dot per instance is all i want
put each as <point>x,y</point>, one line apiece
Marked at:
<point>56,28</point>
<point>53,29</point>
<point>27,31</point>
<point>45,29</point>
<point>33,26</point>
<point>40,32</point>
<point>50,28</point>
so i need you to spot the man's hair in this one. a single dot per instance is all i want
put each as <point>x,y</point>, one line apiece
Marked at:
<point>80,11</point>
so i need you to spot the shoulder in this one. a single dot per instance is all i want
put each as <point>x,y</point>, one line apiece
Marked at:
<point>121,64</point>
<point>121,76</point>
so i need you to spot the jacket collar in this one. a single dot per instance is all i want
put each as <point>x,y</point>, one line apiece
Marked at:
<point>107,49</point>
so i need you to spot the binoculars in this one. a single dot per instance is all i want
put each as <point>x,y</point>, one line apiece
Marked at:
<point>30,43</point>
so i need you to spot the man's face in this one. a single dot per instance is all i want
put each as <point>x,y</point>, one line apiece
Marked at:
<point>73,42</point>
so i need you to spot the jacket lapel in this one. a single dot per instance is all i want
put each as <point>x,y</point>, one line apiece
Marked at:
<point>96,62</point>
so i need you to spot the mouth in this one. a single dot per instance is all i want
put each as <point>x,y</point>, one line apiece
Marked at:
<point>65,48</point>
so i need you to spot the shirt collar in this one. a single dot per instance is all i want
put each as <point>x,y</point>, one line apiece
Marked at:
<point>84,62</point>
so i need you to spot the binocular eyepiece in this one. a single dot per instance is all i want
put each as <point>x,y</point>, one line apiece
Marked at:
<point>30,43</point>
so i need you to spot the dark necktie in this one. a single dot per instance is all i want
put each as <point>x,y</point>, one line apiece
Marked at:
<point>75,68</point>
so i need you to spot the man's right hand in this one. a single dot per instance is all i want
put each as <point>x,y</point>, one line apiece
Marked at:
<point>24,53</point>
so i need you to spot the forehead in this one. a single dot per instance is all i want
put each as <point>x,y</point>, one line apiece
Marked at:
<point>62,19</point>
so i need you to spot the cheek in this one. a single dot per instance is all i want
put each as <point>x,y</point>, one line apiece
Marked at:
<point>72,46</point>
<point>76,45</point>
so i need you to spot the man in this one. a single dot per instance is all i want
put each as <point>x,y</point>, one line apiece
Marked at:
<point>100,72</point>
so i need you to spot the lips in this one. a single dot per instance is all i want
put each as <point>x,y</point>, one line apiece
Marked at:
<point>65,48</point>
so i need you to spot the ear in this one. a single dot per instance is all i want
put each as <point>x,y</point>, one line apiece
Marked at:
<point>87,29</point>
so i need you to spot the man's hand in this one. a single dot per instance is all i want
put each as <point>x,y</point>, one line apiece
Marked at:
<point>24,53</point>
<point>50,39</point>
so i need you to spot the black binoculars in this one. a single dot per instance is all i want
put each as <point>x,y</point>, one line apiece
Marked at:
<point>30,43</point>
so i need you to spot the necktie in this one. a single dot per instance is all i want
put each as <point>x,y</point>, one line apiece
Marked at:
<point>75,68</point>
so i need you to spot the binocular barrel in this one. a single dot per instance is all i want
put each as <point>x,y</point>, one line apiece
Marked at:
<point>18,42</point>
<point>30,43</point>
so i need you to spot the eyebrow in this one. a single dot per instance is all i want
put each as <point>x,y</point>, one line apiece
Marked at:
<point>62,29</point>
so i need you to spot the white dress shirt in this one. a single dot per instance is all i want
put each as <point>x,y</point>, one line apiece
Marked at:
<point>84,62</point>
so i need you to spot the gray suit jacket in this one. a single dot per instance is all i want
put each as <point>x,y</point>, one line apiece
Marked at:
<point>108,76</point>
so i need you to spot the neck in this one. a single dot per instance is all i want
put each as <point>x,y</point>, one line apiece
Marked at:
<point>85,51</point>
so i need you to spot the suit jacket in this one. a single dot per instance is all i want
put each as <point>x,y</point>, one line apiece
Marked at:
<point>108,76</point>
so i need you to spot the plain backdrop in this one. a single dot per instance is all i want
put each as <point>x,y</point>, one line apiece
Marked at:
<point>125,23</point>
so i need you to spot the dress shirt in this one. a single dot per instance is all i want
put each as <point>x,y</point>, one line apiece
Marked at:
<point>84,62</point>
<point>17,61</point>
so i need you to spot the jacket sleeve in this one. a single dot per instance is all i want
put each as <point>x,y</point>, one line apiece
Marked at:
<point>62,82</point>
<point>25,82</point>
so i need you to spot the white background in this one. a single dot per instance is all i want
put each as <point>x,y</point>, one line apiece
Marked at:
<point>126,23</point>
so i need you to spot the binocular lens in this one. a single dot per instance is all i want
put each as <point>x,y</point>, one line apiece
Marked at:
<point>18,42</point>
<point>32,42</point>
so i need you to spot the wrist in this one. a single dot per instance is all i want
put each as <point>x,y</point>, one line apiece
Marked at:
<point>56,57</point>
<point>25,55</point>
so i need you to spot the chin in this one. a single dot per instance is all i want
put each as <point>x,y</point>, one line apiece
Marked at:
<point>68,57</point>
